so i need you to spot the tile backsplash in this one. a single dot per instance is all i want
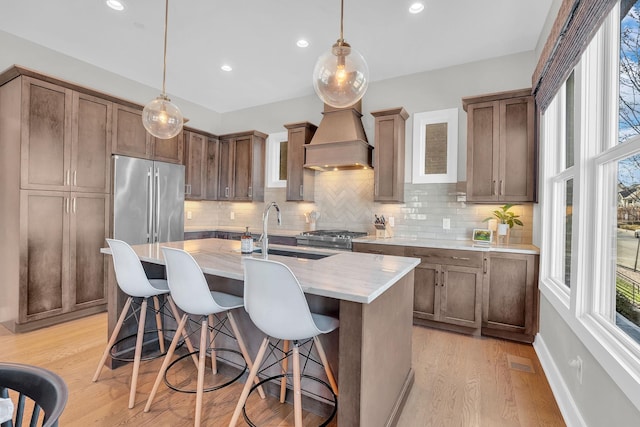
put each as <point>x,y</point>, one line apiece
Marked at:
<point>344,200</point>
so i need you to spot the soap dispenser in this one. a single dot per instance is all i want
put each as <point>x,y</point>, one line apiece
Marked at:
<point>246,242</point>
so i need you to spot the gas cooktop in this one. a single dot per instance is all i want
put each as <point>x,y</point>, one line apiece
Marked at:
<point>338,239</point>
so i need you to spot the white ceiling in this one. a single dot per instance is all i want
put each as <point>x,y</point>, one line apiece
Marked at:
<point>258,39</point>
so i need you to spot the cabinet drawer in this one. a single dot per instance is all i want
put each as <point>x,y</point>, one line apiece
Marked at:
<point>372,248</point>
<point>446,256</point>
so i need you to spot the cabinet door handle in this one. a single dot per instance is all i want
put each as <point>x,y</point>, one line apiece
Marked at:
<point>226,191</point>
<point>375,189</point>
<point>461,258</point>
<point>301,190</point>
<point>501,187</point>
<point>66,199</point>
<point>494,190</point>
<point>250,192</point>
<point>442,279</point>
<point>74,205</point>
<point>66,178</point>
<point>373,251</point>
<point>75,174</point>
<point>187,189</point>
<point>484,268</point>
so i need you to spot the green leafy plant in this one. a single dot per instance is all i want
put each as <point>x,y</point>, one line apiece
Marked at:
<point>505,216</point>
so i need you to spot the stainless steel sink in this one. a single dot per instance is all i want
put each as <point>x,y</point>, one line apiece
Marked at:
<point>292,254</point>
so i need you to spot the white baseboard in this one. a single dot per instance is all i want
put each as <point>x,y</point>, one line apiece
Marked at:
<point>567,405</point>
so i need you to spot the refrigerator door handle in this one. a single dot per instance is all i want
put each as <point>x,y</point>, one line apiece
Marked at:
<point>149,205</point>
<point>157,213</point>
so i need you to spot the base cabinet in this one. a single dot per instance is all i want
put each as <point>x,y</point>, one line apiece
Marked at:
<point>448,293</point>
<point>510,296</point>
<point>489,293</point>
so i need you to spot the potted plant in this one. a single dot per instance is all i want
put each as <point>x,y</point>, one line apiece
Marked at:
<point>506,218</point>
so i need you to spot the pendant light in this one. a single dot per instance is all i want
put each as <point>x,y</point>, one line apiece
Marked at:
<point>160,117</point>
<point>341,75</point>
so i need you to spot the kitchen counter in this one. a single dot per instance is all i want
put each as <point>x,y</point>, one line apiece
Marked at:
<point>467,245</point>
<point>372,295</point>
<point>347,276</point>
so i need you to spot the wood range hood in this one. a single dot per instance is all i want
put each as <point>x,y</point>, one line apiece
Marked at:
<point>340,141</point>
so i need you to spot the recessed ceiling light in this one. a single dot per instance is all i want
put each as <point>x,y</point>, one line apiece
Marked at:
<point>416,8</point>
<point>302,43</point>
<point>226,67</point>
<point>115,5</point>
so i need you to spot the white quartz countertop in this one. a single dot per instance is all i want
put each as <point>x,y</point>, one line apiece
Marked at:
<point>467,245</point>
<point>350,276</point>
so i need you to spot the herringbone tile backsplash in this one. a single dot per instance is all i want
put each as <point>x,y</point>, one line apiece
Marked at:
<point>344,200</point>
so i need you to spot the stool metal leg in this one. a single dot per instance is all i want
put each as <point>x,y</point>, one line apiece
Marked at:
<point>297,389</point>
<point>165,362</point>
<point>212,344</point>
<point>325,363</point>
<point>156,305</point>
<point>113,338</point>
<point>247,386</point>
<point>285,368</point>
<point>243,349</point>
<point>138,353</point>
<point>201,361</point>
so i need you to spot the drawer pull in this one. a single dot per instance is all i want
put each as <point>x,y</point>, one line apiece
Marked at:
<point>461,258</point>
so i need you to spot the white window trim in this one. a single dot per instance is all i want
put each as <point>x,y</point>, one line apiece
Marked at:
<point>273,160</point>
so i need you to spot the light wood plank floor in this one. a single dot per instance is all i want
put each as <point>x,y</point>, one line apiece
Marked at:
<point>460,381</point>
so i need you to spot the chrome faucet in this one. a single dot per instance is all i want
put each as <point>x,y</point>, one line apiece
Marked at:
<point>265,218</point>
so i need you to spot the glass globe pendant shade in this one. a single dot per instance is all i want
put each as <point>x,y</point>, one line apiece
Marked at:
<point>162,118</point>
<point>341,76</point>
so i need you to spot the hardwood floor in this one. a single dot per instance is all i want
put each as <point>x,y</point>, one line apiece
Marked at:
<point>460,381</point>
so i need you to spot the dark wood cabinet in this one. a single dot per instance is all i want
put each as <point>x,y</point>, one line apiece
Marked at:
<point>242,163</point>
<point>300,180</point>
<point>501,147</point>
<point>488,292</point>
<point>510,296</point>
<point>195,165</point>
<point>54,199</point>
<point>448,286</point>
<point>130,138</point>
<point>201,166</point>
<point>66,141</point>
<point>389,155</point>
<point>61,267</point>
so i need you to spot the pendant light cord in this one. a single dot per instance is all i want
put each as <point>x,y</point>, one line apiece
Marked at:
<point>164,66</point>
<point>341,22</point>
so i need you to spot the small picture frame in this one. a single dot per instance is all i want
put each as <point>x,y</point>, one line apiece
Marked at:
<point>482,235</point>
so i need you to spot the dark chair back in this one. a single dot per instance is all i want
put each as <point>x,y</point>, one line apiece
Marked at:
<point>46,390</point>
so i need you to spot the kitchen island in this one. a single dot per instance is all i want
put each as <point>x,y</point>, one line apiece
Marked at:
<point>371,294</point>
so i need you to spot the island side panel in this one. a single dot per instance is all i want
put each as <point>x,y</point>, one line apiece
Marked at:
<point>375,357</point>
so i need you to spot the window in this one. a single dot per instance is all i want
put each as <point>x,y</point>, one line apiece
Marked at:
<point>277,159</point>
<point>590,254</point>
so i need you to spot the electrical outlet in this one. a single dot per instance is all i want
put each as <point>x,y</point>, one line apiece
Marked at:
<point>392,221</point>
<point>446,223</point>
<point>188,214</point>
<point>577,363</point>
<point>232,215</point>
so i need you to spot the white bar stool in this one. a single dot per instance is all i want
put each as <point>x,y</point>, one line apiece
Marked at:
<point>277,306</point>
<point>191,293</point>
<point>133,281</point>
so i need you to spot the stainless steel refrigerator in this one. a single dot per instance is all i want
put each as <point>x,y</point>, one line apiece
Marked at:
<point>148,200</point>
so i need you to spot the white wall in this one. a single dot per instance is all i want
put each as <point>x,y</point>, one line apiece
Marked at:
<point>18,51</point>
<point>598,401</point>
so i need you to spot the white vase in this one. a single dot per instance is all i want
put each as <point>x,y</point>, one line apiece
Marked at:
<point>503,229</point>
